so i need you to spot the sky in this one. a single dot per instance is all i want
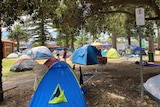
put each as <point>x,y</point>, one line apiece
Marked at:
<point>5,33</point>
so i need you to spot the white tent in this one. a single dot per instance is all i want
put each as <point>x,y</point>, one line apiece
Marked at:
<point>12,55</point>
<point>40,52</point>
<point>152,87</point>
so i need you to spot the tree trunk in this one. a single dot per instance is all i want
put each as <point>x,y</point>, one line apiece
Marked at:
<point>114,40</point>
<point>129,40</point>
<point>1,57</point>
<point>43,41</point>
<point>43,36</point>
<point>151,44</point>
<point>93,39</point>
<point>158,38</point>
<point>72,41</point>
<point>67,45</point>
<point>17,43</point>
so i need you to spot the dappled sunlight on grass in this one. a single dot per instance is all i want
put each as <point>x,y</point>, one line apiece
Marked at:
<point>6,65</point>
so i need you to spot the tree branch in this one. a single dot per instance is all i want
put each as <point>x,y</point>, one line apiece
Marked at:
<point>119,2</point>
<point>151,3</point>
<point>121,11</point>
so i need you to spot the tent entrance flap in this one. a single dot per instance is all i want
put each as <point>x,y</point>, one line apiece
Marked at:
<point>58,96</point>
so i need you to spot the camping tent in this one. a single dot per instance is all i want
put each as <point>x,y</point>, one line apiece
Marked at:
<point>136,51</point>
<point>86,55</point>
<point>112,53</point>
<point>61,88</point>
<point>23,65</point>
<point>152,87</point>
<point>106,44</point>
<point>69,53</point>
<point>52,48</point>
<point>50,61</point>
<point>96,44</point>
<point>23,56</point>
<point>40,52</point>
<point>12,55</point>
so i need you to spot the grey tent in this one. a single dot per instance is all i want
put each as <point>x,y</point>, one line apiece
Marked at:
<point>152,87</point>
<point>23,65</point>
<point>24,56</point>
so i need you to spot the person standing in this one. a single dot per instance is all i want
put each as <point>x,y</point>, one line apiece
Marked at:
<point>65,54</point>
<point>58,56</point>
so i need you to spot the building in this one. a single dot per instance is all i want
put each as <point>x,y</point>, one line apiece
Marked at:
<point>8,47</point>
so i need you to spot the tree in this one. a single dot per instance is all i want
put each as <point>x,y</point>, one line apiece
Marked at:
<point>95,25</point>
<point>114,6</point>
<point>158,29</point>
<point>9,13</point>
<point>18,34</point>
<point>70,15</point>
<point>148,30</point>
<point>40,20</point>
<point>39,31</point>
<point>1,57</point>
<point>68,22</point>
<point>152,4</point>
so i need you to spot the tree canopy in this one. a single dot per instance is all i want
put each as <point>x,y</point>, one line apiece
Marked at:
<point>72,16</point>
<point>18,34</point>
<point>123,6</point>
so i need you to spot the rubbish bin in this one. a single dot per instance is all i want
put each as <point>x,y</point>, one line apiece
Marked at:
<point>150,57</point>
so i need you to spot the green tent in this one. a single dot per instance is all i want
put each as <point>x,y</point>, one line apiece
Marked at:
<point>112,53</point>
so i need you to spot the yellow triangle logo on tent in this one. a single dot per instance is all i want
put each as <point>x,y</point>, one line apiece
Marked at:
<point>57,96</point>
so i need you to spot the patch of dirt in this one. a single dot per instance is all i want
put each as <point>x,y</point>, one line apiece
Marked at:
<point>18,89</point>
<point>113,85</point>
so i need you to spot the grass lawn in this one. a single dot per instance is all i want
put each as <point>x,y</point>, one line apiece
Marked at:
<point>7,63</point>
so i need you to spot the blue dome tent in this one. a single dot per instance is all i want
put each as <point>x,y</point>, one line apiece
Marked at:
<point>61,88</point>
<point>86,55</point>
<point>136,51</point>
